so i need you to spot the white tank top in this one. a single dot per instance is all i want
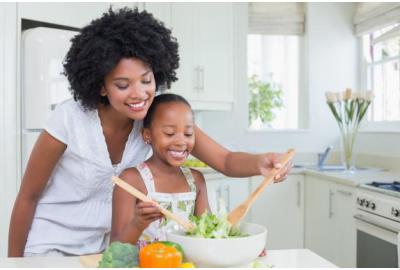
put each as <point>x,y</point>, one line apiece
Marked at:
<point>181,204</point>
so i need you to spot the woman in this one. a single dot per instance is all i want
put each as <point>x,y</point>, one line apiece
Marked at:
<point>115,66</point>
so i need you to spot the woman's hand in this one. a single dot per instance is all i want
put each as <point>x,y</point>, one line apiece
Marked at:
<point>145,213</point>
<point>268,161</point>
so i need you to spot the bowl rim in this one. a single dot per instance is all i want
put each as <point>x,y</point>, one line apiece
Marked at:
<point>181,233</point>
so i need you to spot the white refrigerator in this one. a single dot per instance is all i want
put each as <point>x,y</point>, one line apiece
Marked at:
<point>43,85</point>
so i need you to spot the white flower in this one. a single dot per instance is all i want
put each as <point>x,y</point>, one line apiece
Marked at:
<point>369,95</point>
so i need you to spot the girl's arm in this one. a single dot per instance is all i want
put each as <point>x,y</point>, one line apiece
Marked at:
<point>201,196</point>
<point>235,164</point>
<point>43,159</point>
<point>129,215</point>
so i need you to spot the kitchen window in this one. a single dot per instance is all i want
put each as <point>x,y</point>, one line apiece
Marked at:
<point>381,59</point>
<point>274,59</point>
<point>378,27</point>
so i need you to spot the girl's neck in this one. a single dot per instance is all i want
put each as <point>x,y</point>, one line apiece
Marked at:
<point>112,119</point>
<point>160,165</point>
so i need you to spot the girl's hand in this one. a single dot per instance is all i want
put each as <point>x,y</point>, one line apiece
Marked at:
<point>145,213</point>
<point>268,161</point>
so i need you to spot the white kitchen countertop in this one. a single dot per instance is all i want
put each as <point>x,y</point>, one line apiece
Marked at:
<point>275,258</point>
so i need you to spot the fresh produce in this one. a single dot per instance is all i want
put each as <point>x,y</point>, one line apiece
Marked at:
<point>194,163</point>
<point>119,255</point>
<point>175,245</point>
<point>209,225</point>
<point>187,265</point>
<point>159,255</point>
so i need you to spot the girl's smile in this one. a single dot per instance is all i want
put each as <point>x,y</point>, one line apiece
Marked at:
<point>171,133</point>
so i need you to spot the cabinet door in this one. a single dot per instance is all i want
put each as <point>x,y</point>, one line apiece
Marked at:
<point>280,209</point>
<point>345,227</point>
<point>213,40</point>
<point>69,14</point>
<point>183,29</point>
<point>214,192</point>
<point>319,225</point>
<point>161,11</point>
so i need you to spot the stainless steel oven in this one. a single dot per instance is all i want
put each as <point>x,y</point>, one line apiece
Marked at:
<point>378,228</point>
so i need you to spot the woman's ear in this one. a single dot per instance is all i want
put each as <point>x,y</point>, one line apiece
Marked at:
<point>103,91</point>
<point>146,136</point>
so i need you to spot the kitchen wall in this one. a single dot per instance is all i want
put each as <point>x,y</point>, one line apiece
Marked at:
<point>330,64</point>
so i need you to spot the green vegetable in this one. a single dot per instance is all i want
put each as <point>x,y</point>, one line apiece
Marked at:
<point>211,226</point>
<point>119,255</point>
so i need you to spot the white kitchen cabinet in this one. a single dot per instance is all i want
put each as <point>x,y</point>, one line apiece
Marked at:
<point>205,35</point>
<point>281,209</point>
<point>9,126</point>
<point>161,11</point>
<point>330,226</point>
<point>232,191</point>
<point>68,14</point>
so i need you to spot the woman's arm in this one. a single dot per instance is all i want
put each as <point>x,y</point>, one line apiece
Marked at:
<point>235,164</point>
<point>201,196</point>
<point>43,159</point>
<point>129,215</point>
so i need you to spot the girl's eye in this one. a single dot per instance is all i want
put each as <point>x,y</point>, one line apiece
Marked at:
<point>169,134</point>
<point>122,87</point>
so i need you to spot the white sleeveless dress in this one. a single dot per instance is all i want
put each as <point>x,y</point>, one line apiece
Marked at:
<point>181,204</point>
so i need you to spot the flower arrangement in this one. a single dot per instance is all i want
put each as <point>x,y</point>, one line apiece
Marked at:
<point>349,108</point>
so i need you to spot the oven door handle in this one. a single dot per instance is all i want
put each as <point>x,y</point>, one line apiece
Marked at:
<point>366,220</point>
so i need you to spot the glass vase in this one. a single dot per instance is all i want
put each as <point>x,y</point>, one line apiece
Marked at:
<point>348,139</point>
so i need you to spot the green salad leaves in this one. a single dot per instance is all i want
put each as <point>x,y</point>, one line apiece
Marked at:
<point>209,225</point>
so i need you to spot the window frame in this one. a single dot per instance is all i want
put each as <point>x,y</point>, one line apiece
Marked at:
<point>368,126</point>
<point>303,96</point>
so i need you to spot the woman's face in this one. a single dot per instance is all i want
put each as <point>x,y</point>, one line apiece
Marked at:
<point>171,133</point>
<point>130,88</point>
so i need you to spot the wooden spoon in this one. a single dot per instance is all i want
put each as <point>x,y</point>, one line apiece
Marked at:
<point>239,212</point>
<point>136,193</point>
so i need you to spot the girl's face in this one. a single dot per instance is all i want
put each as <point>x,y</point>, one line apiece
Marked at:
<point>171,133</point>
<point>130,88</point>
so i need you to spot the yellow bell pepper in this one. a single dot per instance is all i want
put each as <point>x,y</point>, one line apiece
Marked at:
<point>158,255</point>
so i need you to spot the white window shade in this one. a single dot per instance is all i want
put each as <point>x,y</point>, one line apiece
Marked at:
<point>276,18</point>
<point>372,16</point>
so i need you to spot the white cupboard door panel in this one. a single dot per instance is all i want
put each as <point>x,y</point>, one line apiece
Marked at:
<point>182,24</point>
<point>280,209</point>
<point>215,50</point>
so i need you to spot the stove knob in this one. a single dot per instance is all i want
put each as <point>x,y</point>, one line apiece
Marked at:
<point>373,206</point>
<point>395,212</point>
<point>362,202</point>
<point>367,204</point>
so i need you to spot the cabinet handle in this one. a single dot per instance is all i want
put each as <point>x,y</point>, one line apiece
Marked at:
<point>228,197</point>
<point>201,81</point>
<point>298,194</point>
<point>344,192</point>
<point>330,203</point>
<point>196,78</point>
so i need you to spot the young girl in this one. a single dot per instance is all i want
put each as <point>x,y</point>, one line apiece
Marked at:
<point>115,66</point>
<point>169,129</point>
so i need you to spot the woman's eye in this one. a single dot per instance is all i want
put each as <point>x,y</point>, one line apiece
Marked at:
<point>119,86</point>
<point>189,134</point>
<point>146,82</point>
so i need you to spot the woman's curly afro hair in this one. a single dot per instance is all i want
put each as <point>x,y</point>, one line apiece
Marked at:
<point>124,33</point>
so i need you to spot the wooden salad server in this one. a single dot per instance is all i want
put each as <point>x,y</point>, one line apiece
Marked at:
<point>239,212</point>
<point>136,193</point>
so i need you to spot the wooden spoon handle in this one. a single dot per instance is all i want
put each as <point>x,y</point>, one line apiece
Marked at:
<point>136,193</point>
<point>270,176</point>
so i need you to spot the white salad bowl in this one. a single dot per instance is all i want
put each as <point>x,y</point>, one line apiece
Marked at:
<point>236,251</point>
